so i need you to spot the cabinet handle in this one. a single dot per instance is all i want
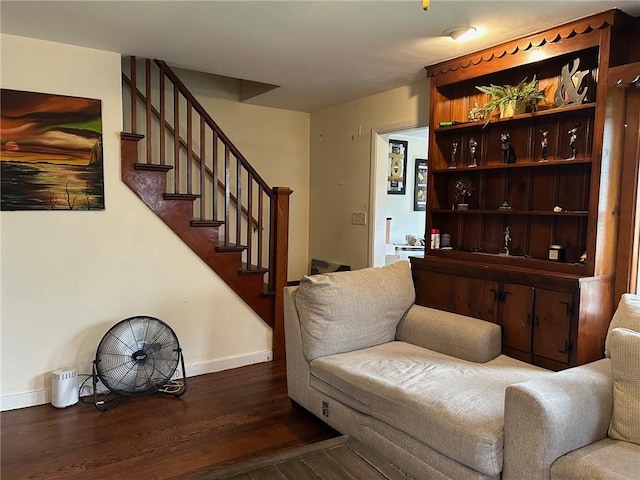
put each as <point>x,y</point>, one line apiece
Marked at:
<point>496,295</point>
<point>528,321</point>
<point>537,320</point>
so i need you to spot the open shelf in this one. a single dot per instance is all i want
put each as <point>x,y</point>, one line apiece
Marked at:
<point>507,166</point>
<point>517,118</point>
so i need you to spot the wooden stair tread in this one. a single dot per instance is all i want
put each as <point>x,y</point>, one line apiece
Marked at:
<point>230,248</point>
<point>181,196</point>
<point>206,223</point>
<point>154,167</point>
<point>252,270</point>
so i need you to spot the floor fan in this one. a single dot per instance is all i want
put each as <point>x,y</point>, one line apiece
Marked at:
<point>138,356</point>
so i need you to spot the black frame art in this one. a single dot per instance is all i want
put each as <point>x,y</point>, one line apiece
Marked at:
<point>397,167</point>
<point>420,185</point>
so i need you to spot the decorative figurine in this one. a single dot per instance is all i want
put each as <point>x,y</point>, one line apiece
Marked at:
<point>473,144</point>
<point>475,113</point>
<point>454,150</point>
<point>570,86</point>
<point>544,144</point>
<point>463,190</point>
<point>573,136</point>
<point>505,206</point>
<point>508,153</point>
<point>507,238</point>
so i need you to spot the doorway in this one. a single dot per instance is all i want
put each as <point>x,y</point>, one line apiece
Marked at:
<point>397,218</point>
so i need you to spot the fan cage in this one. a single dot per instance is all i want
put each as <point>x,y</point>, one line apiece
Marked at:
<point>138,356</point>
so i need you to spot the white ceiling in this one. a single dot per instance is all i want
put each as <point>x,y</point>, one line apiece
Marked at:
<point>320,53</point>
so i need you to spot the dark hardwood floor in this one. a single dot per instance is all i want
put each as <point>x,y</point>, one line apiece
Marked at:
<point>224,418</point>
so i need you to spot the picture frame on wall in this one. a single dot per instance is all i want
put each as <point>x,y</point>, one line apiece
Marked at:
<point>51,155</point>
<point>397,167</point>
<point>420,186</point>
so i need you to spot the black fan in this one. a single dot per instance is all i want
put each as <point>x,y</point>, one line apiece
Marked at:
<point>136,357</point>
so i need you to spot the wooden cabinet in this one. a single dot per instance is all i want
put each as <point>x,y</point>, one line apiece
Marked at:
<point>549,319</point>
<point>563,189</point>
<point>516,318</point>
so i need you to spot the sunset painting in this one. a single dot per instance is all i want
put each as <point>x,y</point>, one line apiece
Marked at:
<point>50,152</point>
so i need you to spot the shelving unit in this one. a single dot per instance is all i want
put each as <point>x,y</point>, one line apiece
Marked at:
<point>581,183</point>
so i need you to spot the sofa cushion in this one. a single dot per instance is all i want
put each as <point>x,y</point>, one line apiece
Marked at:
<point>344,311</point>
<point>453,406</point>
<point>624,346</point>
<point>627,315</point>
<point>604,460</point>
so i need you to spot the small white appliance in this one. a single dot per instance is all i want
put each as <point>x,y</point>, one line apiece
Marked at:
<point>64,387</point>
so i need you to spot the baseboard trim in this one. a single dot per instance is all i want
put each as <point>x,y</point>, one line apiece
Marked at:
<point>41,397</point>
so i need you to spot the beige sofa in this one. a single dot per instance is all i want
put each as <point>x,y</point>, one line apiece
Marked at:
<point>581,423</point>
<point>422,387</point>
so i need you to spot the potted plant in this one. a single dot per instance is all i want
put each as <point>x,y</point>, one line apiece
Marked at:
<point>511,100</point>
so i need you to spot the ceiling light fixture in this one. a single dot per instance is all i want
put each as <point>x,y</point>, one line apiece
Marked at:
<point>460,34</point>
<point>425,4</point>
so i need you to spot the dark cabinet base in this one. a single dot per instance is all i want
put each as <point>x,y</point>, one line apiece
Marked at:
<point>548,319</point>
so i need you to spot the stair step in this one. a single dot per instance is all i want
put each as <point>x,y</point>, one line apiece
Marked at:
<point>181,196</point>
<point>254,270</point>
<point>152,167</point>
<point>206,223</point>
<point>230,248</point>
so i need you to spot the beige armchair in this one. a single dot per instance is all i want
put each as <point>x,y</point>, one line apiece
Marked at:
<point>584,422</point>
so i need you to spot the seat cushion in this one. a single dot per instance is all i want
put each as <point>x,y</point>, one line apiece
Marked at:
<point>604,460</point>
<point>345,311</point>
<point>624,346</point>
<point>453,406</point>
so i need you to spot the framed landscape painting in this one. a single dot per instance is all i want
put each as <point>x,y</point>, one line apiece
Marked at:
<point>50,152</point>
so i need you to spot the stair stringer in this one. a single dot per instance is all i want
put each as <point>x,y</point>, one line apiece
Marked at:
<point>150,184</point>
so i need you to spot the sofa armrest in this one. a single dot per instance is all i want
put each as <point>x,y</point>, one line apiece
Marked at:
<point>550,416</point>
<point>449,333</point>
<point>297,364</point>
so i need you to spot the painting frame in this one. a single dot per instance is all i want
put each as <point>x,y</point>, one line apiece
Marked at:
<point>51,155</point>
<point>420,185</point>
<point>397,167</point>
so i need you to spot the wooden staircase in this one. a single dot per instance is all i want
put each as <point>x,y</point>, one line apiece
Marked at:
<point>204,189</point>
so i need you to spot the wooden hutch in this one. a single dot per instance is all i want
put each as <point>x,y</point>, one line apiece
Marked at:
<point>553,312</point>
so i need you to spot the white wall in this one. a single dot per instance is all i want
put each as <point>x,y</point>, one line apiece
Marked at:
<point>406,221</point>
<point>67,277</point>
<point>341,162</point>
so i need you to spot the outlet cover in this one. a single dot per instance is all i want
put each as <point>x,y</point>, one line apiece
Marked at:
<point>358,218</point>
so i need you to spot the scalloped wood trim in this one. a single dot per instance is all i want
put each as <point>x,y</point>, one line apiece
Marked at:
<point>524,44</point>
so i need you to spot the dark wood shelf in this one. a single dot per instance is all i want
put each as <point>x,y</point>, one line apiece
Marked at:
<point>502,166</point>
<point>541,213</point>
<point>524,116</point>
<point>517,261</point>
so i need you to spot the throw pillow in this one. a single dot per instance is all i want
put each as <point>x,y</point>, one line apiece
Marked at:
<point>624,347</point>
<point>344,311</point>
<point>627,315</point>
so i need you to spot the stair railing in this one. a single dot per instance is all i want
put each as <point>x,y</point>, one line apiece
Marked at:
<point>204,165</point>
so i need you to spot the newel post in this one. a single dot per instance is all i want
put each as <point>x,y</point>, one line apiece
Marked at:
<point>279,262</point>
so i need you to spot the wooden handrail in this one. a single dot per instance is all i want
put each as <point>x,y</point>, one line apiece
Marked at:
<point>160,116</point>
<point>201,111</point>
<point>243,191</point>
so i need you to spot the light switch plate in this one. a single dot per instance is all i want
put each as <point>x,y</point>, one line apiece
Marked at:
<point>358,218</point>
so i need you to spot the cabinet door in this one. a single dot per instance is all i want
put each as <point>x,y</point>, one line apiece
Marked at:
<point>516,317</point>
<point>432,289</point>
<point>551,332</point>
<point>475,298</point>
